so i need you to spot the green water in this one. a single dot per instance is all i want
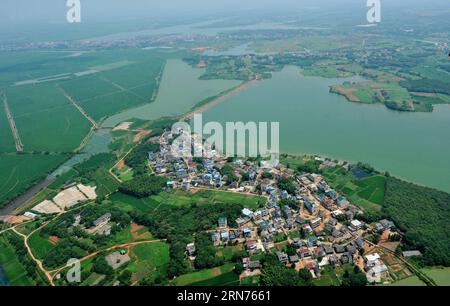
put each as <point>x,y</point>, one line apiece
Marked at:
<point>179,91</point>
<point>3,278</point>
<point>98,143</point>
<point>413,146</point>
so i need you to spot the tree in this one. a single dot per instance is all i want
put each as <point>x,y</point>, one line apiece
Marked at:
<point>287,184</point>
<point>125,278</point>
<point>100,266</point>
<point>354,277</point>
<point>276,274</point>
<point>305,277</point>
<point>238,268</point>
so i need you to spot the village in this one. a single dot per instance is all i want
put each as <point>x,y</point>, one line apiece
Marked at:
<point>305,222</point>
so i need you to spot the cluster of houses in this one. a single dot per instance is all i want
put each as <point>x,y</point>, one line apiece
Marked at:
<point>313,221</point>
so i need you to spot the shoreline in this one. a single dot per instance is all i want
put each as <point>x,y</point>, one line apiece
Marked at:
<point>189,115</point>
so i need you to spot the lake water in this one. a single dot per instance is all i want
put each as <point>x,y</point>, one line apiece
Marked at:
<point>3,279</point>
<point>413,146</point>
<point>179,91</point>
<point>97,144</point>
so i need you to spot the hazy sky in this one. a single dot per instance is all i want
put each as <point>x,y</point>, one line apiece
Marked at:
<point>27,20</point>
<point>23,11</point>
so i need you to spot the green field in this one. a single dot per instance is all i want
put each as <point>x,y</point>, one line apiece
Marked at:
<point>182,198</point>
<point>14,270</point>
<point>40,246</point>
<point>225,279</point>
<point>228,251</point>
<point>410,281</point>
<point>440,275</point>
<point>207,277</point>
<point>45,119</point>
<point>368,193</point>
<point>102,82</point>
<point>250,280</point>
<point>105,182</point>
<point>150,259</point>
<point>328,277</point>
<point>6,137</point>
<point>21,171</point>
<point>372,188</point>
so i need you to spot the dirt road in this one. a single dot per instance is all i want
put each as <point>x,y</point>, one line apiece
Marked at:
<point>12,124</point>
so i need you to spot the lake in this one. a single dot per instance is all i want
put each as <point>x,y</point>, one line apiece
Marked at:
<point>98,143</point>
<point>413,146</point>
<point>3,279</point>
<point>179,91</point>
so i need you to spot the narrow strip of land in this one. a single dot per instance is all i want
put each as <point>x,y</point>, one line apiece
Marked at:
<point>12,124</point>
<point>219,99</point>
<point>80,109</point>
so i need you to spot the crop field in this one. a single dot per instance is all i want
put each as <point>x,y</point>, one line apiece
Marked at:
<point>39,245</point>
<point>182,198</point>
<point>249,201</point>
<point>82,89</point>
<point>250,280</point>
<point>229,251</point>
<point>328,278</point>
<point>14,270</point>
<point>21,171</point>
<point>314,42</point>
<point>207,277</point>
<point>105,182</point>
<point>101,82</point>
<point>45,119</point>
<point>6,136</point>
<point>440,275</point>
<point>149,259</point>
<point>129,203</point>
<point>373,188</point>
<point>368,193</point>
<point>225,279</point>
<point>110,104</point>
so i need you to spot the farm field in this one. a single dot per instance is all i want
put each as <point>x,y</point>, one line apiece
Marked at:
<point>149,260</point>
<point>440,275</point>
<point>410,281</point>
<point>215,276</point>
<point>21,171</point>
<point>101,82</point>
<point>367,193</point>
<point>328,278</point>
<point>45,119</point>
<point>14,270</point>
<point>39,245</point>
<point>6,136</point>
<point>181,198</point>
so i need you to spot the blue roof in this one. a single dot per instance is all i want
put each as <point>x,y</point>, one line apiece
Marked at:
<point>247,230</point>
<point>312,239</point>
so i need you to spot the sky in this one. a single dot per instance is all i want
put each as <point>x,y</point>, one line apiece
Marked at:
<point>26,19</point>
<point>29,11</point>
